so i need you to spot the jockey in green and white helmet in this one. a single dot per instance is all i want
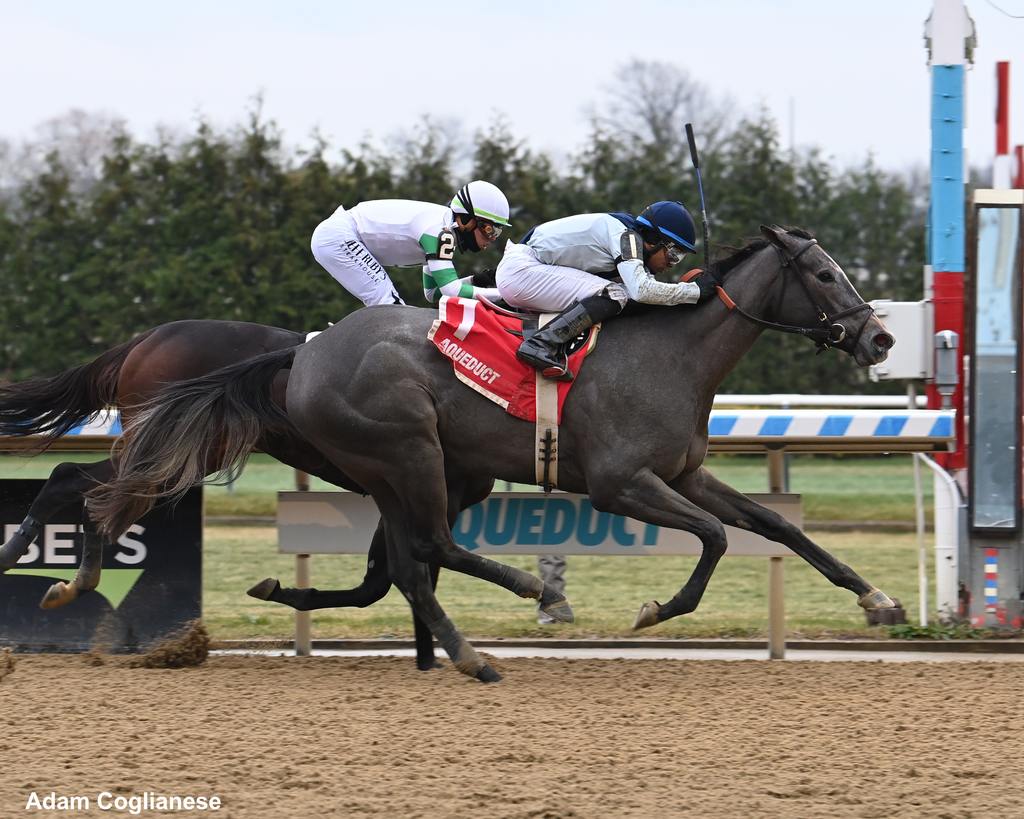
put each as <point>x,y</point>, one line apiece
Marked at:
<point>354,245</point>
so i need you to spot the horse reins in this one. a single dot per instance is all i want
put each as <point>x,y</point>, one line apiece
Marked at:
<point>831,331</point>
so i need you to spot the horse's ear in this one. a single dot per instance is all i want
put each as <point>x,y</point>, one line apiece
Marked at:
<point>773,233</point>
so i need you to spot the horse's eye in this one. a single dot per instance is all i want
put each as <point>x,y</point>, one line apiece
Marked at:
<point>826,276</point>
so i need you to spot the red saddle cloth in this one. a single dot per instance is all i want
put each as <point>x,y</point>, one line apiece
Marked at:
<point>477,339</point>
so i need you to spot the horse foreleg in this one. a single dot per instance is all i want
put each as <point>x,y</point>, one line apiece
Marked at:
<point>736,509</point>
<point>645,496</point>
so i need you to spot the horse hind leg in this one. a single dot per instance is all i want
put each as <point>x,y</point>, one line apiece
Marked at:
<point>432,543</point>
<point>86,578</point>
<point>66,485</point>
<point>414,581</point>
<point>376,583</point>
<point>409,523</point>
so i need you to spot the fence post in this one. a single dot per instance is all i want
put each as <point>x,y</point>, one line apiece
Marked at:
<point>303,619</point>
<point>776,611</point>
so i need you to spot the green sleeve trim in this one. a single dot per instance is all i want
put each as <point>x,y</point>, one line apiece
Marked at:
<point>466,290</point>
<point>429,244</point>
<point>445,276</point>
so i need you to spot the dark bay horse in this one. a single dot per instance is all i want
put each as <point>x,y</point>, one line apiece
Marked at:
<point>379,401</point>
<point>135,371</point>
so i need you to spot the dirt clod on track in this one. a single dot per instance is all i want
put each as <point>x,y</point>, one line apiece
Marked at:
<point>289,737</point>
<point>187,648</point>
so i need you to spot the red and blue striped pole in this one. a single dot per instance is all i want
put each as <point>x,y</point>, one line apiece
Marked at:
<point>950,36</point>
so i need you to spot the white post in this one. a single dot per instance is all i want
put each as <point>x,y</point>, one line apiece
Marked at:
<point>777,471</point>
<point>948,502</point>
<point>303,630</point>
<point>776,610</point>
<point>922,551</point>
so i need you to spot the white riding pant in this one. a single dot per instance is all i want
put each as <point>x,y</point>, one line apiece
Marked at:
<point>340,251</point>
<point>525,281</point>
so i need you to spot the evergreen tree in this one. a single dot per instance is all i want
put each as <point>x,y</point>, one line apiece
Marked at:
<point>44,299</point>
<point>102,236</point>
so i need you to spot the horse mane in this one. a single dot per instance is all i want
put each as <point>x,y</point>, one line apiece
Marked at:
<point>736,256</point>
<point>730,257</point>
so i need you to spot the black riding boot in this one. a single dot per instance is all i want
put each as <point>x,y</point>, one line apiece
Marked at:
<point>545,349</point>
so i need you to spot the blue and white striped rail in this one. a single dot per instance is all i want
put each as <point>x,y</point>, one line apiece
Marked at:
<point>731,430</point>
<point>107,424</point>
<point>95,435</point>
<point>810,430</point>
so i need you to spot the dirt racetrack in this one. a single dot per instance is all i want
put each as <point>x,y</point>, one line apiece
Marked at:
<point>340,737</point>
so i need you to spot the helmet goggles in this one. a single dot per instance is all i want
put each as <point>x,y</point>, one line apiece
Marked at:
<point>488,229</point>
<point>675,253</point>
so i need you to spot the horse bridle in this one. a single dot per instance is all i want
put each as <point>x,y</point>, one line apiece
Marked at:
<point>829,331</point>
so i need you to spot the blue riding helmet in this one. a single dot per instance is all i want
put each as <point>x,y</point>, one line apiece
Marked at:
<point>672,221</point>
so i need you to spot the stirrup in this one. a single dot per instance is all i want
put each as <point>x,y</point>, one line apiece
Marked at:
<point>559,373</point>
<point>543,358</point>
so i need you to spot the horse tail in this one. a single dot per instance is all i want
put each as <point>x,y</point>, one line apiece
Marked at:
<point>51,406</point>
<point>186,431</point>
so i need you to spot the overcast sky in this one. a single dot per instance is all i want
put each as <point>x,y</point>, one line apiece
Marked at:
<point>850,77</point>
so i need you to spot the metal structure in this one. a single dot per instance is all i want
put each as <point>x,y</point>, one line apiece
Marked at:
<point>993,575</point>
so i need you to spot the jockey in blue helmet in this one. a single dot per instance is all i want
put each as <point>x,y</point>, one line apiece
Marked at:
<point>588,267</point>
<point>671,226</point>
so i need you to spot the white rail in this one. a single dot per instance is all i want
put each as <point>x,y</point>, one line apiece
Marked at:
<point>786,400</point>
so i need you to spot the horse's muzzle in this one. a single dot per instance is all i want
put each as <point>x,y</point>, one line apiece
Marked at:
<point>878,346</point>
<point>883,342</point>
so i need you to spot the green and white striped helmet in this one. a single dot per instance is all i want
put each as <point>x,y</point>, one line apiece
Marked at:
<point>483,200</point>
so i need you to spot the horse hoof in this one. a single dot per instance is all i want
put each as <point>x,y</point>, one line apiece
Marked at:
<point>488,675</point>
<point>559,610</point>
<point>264,589</point>
<point>428,664</point>
<point>648,615</point>
<point>59,594</point>
<point>875,599</point>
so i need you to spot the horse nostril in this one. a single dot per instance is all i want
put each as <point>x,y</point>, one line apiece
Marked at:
<point>883,341</point>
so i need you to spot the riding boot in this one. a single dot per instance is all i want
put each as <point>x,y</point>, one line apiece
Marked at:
<point>545,349</point>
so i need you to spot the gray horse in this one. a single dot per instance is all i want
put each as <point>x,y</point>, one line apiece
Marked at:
<point>391,414</point>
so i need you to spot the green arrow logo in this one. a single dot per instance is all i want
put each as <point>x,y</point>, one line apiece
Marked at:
<point>114,583</point>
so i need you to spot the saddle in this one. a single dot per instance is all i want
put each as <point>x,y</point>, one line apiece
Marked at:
<point>530,323</point>
<point>481,339</point>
